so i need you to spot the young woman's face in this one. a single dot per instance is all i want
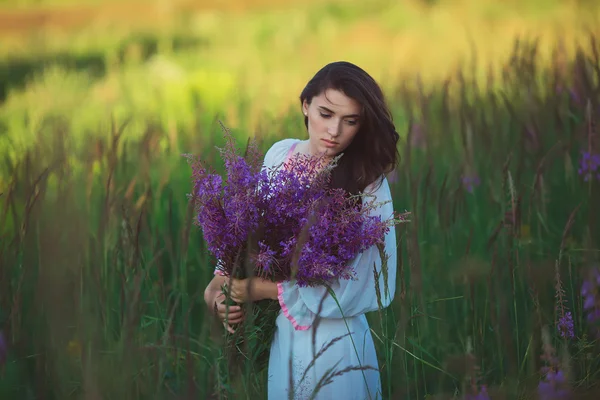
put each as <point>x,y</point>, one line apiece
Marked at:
<point>333,121</point>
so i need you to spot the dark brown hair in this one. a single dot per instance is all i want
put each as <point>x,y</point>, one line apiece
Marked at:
<point>373,151</point>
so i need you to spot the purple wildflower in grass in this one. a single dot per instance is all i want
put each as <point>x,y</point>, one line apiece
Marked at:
<point>554,384</point>
<point>565,326</point>
<point>470,182</point>
<point>575,96</point>
<point>589,166</point>
<point>590,292</point>
<point>482,395</point>
<point>3,349</point>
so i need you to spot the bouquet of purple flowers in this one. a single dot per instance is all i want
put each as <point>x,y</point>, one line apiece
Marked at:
<point>285,222</point>
<point>281,223</point>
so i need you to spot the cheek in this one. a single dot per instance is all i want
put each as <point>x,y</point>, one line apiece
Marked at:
<point>314,125</point>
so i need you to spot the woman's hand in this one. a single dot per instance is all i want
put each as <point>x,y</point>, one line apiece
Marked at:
<point>215,301</point>
<point>252,289</point>
<point>230,315</point>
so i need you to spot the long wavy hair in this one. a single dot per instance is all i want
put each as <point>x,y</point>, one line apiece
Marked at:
<point>373,152</point>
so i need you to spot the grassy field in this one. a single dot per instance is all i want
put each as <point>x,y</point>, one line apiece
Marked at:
<point>102,270</point>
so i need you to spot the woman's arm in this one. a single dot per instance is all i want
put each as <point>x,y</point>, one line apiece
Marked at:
<point>253,289</point>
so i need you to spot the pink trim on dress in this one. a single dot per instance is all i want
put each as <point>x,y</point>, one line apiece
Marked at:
<point>219,272</point>
<point>289,153</point>
<point>286,312</point>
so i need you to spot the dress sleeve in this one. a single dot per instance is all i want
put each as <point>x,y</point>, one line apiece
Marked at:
<point>354,297</point>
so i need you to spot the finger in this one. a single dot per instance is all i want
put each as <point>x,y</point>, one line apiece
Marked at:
<point>223,308</point>
<point>229,328</point>
<point>229,311</point>
<point>220,298</point>
<point>234,321</point>
<point>231,316</point>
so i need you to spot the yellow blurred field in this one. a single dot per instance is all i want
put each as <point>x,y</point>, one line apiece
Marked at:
<point>267,49</point>
<point>247,61</point>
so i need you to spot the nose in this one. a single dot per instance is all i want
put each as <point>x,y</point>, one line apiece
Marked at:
<point>334,128</point>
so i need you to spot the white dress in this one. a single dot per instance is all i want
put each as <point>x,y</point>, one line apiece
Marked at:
<point>292,347</point>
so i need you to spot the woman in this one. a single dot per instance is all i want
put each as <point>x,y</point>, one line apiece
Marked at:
<point>344,112</point>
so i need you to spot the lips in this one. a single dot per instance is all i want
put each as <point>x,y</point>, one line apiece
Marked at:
<point>328,142</point>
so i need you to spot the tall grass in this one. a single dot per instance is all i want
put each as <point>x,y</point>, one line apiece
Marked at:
<point>102,271</point>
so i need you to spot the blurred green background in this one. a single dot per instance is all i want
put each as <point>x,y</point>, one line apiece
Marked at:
<point>102,270</point>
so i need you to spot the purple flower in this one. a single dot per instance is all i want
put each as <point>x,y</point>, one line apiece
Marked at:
<point>554,386</point>
<point>589,166</point>
<point>339,232</point>
<point>482,395</point>
<point>470,182</point>
<point>282,218</point>
<point>565,326</point>
<point>265,258</point>
<point>575,96</point>
<point>590,292</point>
<point>3,349</point>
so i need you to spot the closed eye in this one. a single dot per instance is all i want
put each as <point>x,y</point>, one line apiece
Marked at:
<point>325,115</point>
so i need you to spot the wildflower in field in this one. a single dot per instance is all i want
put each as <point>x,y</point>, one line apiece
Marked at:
<point>575,96</point>
<point>565,326</point>
<point>554,384</point>
<point>3,349</point>
<point>482,395</point>
<point>565,319</point>
<point>590,292</point>
<point>589,166</point>
<point>470,182</point>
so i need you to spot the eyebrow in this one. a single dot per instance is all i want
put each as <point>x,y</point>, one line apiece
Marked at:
<point>345,116</point>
